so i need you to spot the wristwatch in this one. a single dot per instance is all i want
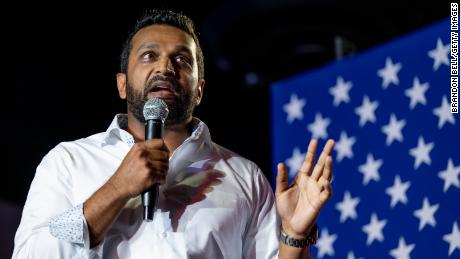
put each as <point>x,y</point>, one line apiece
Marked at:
<point>306,241</point>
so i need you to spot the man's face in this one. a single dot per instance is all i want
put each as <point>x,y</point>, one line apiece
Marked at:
<point>162,63</point>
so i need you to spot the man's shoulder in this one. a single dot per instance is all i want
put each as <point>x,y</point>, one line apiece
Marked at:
<point>248,172</point>
<point>235,160</point>
<point>94,140</point>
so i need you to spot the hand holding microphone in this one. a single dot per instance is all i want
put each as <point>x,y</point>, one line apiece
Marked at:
<point>155,113</point>
<point>146,164</point>
<point>143,168</point>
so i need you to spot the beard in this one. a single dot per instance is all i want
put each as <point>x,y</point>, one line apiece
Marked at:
<point>180,107</point>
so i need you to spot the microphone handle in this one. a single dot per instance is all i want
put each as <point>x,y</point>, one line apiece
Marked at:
<point>153,130</point>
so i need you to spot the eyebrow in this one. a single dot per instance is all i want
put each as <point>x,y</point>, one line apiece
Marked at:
<point>148,46</point>
<point>180,48</point>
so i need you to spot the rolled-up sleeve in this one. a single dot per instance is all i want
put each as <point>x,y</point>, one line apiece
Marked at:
<point>261,238</point>
<point>262,234</point>
<point>52,225</point>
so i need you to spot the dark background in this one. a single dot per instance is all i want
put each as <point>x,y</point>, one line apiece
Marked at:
<point>65,61</point>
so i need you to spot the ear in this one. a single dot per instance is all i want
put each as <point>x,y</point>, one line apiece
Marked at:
<point>121,85</point>
<point>199,92</point>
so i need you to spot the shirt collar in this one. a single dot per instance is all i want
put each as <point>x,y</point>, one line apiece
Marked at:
<point>118,128</point>
<point>119,125</point>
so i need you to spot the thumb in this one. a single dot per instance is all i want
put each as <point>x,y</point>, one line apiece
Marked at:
<point>281,179</point>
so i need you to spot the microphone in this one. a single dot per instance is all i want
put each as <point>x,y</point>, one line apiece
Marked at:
<point>155,113</point>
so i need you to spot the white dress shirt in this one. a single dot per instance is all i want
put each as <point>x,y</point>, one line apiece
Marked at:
<point>214,204</point>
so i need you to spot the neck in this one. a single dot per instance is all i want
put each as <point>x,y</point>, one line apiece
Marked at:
<point>173,135</point>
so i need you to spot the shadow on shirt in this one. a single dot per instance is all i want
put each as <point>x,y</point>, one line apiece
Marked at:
<point>187,190</point>
<point>189,186</point>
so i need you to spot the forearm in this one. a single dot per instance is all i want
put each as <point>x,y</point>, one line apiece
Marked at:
<point>101,210</point>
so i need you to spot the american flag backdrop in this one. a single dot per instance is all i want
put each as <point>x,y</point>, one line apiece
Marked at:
<point>397,154</point>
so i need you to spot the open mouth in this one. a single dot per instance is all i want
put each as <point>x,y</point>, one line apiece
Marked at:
<point>162,89</point>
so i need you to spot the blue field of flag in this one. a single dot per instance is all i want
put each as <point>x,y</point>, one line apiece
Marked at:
<point>397,157</point>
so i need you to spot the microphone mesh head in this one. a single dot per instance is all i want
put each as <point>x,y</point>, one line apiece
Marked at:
<point>155,109</point>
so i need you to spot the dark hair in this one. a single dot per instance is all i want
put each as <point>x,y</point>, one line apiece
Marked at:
<point>167,17</point>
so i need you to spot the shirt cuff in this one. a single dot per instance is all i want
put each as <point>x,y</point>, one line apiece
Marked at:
<point>71,226</point>
<point>95,252</point>
<point>68,226</point>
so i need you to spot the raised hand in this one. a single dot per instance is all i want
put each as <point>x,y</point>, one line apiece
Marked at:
<point>300,203</point>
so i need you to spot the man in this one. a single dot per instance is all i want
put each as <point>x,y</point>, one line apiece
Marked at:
<point>84,200</point>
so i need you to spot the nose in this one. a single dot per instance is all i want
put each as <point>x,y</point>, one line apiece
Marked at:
<point>165,67</point>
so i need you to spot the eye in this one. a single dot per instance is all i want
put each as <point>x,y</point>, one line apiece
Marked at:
<point>147,56</point>
<point>184,59</point>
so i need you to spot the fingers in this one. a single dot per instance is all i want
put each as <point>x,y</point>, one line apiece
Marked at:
<point>281,179</point>
<point>326,192</point>
<point>327,173</point>
<point>155,150</point>
<point>156,155</point>
<point>325,183</point>
<point>157,144</point>
<point>327,150</point>
<point>158,167</point>
<point>310,157</point>
<point>158,172</point>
